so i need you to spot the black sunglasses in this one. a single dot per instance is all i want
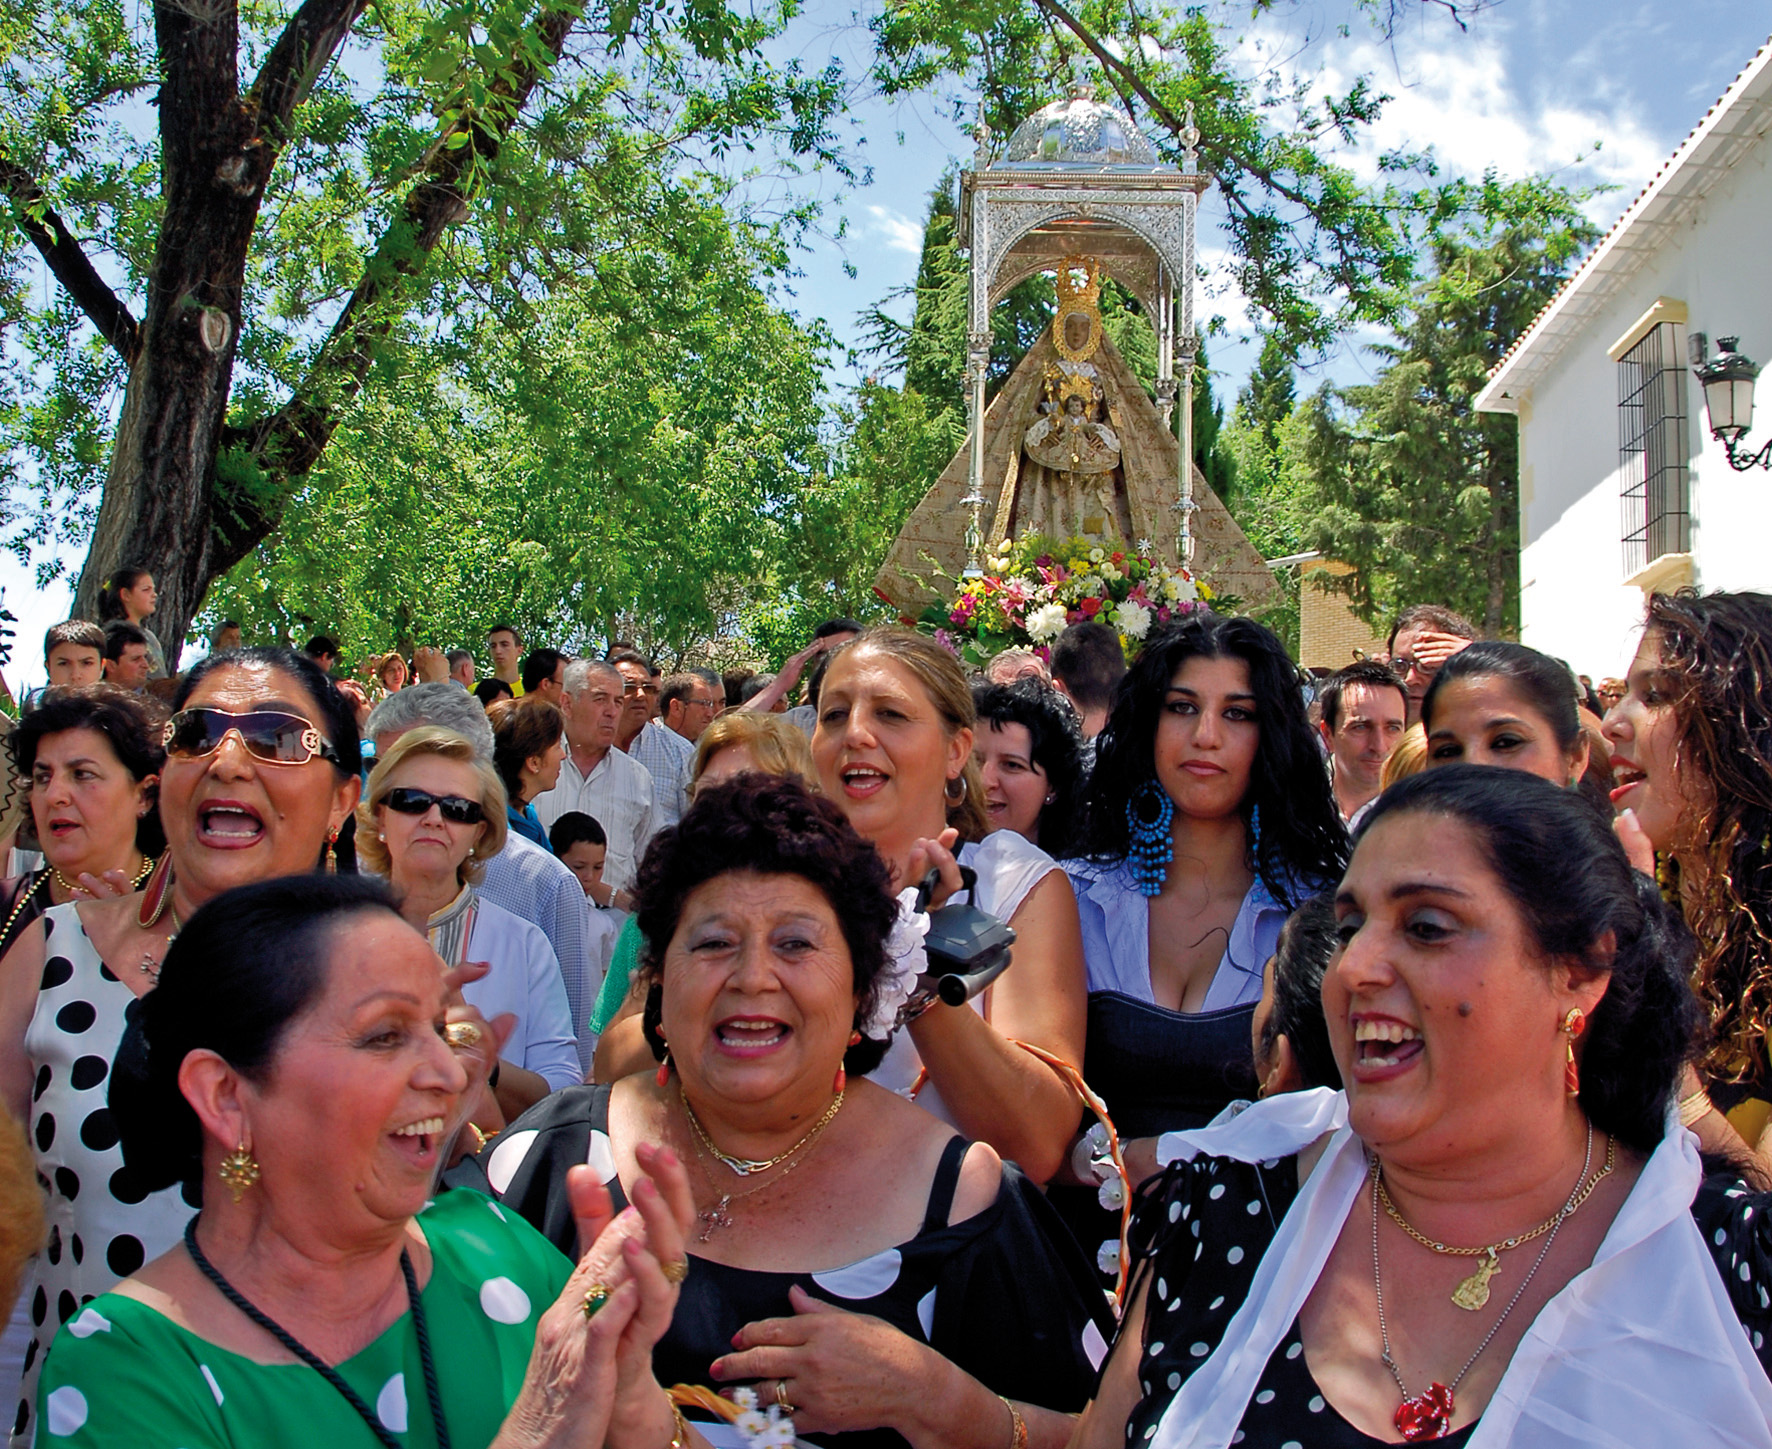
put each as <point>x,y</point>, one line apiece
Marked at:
<point>456,809</point>
<point>274,736</point>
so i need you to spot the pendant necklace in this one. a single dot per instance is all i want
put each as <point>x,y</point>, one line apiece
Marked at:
<point>1428,1415</point>
<point>718,1216</point>
<point>1473,1292</point>
<point>747,1166</point>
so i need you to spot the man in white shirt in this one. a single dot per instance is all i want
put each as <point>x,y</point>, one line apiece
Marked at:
<point>666,745</point>
<point>1364,708</point>
<point>595,777</point>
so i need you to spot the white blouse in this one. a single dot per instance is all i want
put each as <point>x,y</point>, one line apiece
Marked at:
<point>1641,1347</point>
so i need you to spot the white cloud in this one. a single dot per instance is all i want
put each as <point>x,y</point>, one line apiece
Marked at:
<point>897,231</point>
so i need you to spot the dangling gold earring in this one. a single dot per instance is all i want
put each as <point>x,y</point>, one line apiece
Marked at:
<point>332,853</point>
<point>1573,1026</point>
<point>238,1171</point>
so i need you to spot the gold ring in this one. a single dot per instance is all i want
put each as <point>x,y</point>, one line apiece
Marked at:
<point>596,1298</point>
<point>781,1396</point>
<point>676,1270</point>
<point>463,1034</point>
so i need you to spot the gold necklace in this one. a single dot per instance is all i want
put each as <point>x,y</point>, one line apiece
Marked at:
<point>149,966</point>
<point>747,1166</point>
<point>1473,1292</point>
<point>135,884</point>
<point>24,898</point>
<point>717,1216</point>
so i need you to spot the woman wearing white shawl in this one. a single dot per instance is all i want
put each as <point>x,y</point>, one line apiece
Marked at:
<point>1481,909</point>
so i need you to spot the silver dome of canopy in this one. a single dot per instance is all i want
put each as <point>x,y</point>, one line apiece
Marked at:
<point>1079,131</point>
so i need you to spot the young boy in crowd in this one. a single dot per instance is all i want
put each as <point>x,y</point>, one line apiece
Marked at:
<point>74,653</point>
<point>582,846</point>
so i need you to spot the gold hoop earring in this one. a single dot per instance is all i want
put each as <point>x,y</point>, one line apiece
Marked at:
<point>238,1171</point>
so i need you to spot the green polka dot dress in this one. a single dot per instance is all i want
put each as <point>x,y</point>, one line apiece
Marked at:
<point>121,1373</point>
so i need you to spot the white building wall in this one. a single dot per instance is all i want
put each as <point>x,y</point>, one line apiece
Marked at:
<point>1574,603</point>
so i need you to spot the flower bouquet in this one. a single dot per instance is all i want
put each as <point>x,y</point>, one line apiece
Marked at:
<point>1033,588</point>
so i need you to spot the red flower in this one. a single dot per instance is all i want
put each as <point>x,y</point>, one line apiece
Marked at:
<point>1090,608</point>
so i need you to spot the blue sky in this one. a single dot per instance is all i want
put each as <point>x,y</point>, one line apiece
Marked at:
<point>1533,85</point>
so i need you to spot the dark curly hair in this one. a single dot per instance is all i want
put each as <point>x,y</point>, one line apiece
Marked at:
<point>245,966</point>
<point>131,725</point>
<point>767,825</point>
<point>1055,741</point>
<point>338,720</point>
<point>1303,845</point>
<point>1716,654</point>
<point>1568,875</point>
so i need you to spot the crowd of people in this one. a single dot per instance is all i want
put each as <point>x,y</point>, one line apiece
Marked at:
<point>556,1058</point>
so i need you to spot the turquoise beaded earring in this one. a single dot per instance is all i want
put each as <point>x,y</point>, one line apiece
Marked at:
<point>1150,849</point>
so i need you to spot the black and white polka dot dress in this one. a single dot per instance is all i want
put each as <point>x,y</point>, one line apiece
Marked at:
<point>101,1226</point>
<point>1199,1235</point>
<point>1004,1294</point>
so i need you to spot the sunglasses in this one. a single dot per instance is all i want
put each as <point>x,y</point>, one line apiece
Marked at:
<point>272,735</point>
<point>456,809</point>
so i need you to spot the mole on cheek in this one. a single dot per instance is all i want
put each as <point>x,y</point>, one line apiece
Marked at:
<point>1465,1008</point>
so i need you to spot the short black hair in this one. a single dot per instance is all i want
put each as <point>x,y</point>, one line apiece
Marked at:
<point>575,828</point>
<point>1301,958</point>
<point>838,626</point>
<point>490,691</point>
<point>678,686</point>
<point>510,629</point>
<point>1433,616</point>
<point>244,967</point>
<point>338,719</point>
<point>769,825</point>
<point>625,655</point>
<point>539,666</point>
<point>1088,660</point>
<point>74,631</point>
<point>1577,893</point>
<point>1372,673</point>
<point>119,635</point>
<point>321,644</point>
<point>130,724</point>
<point>1054,740</point>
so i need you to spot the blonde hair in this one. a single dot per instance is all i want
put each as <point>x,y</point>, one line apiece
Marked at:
<point>948,689</point>
<point>1408,758</point>
<point>778,746</point>
<point>372,850</point>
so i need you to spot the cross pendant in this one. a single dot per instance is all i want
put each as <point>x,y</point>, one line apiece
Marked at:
<point>715,1218</point>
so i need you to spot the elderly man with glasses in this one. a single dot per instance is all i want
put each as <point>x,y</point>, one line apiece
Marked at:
<point>666,745</point>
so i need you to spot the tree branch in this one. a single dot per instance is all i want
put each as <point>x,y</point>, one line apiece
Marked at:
<point>67,262</point>
<point>290,441</point>
<point>1112,62</point>
<point>304,49</point>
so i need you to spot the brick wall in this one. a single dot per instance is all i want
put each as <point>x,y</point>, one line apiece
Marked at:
<point>1329,632</point>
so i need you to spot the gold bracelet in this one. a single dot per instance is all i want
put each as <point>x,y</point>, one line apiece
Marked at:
<point>1018,1426</point>
<point>680,1425</point>
<point>1694,1107</point>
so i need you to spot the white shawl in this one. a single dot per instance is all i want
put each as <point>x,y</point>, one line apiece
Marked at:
<point>1641,1348</point>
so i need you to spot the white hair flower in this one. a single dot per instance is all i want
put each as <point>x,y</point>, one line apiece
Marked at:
<point>905,962</point>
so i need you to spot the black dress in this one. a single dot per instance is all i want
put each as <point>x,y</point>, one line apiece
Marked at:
<point>1004,1295</point>
<point>1199,1234</point>
<point>1736,1224</point>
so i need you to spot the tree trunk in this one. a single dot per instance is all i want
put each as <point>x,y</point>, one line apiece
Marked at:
<point>156,504</point>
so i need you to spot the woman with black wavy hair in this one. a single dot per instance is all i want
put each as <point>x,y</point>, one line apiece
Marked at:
<point>1210,819</point>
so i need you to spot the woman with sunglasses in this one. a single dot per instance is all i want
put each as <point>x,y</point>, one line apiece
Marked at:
<point>262,762</point>
<point>432,814</point>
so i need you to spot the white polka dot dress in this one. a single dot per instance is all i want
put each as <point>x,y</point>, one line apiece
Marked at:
<point>102,1227</point>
